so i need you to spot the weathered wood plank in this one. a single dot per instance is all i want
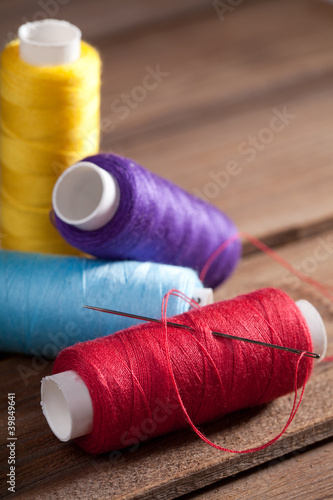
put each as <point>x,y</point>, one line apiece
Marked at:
<point>102,18</point>
<point>179,463</point>
<point>306,474</point>
<point>279,188</point>
<point>213,67</point>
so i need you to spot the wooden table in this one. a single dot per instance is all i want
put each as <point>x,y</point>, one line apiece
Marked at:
<point>252,83</point>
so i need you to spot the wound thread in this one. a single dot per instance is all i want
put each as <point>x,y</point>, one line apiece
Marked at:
<point>159,222</point>
<point>49,119</point>
<point>41,298</point>
<point>131,385</point>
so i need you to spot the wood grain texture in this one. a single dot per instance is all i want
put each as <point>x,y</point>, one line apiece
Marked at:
<point>176,464</point>
<point>96,19</point>
<point>216,67</point>
<point>271,194</point>
<point>296,476</point>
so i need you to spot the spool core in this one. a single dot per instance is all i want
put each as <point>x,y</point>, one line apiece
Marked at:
<point>316,327</point>
<point>86,196</point>
<point>49,42</point>
<point>66,401</point>
<point>204,296</point>
<point>67,405</point>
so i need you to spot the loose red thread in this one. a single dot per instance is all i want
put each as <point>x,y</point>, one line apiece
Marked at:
<point>322,287</point>
<point>325,289</point>
<point>294,409</point>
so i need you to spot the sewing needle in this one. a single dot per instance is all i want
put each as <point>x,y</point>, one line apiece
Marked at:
<point>220,334</point>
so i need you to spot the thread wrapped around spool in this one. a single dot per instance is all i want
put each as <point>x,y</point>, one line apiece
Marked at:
<point>41,298</point>
<point>126,382</point>
<point>50,96</point>
<point>148,218</point>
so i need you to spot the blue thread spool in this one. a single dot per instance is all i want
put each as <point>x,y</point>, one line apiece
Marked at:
<point>41,298</point>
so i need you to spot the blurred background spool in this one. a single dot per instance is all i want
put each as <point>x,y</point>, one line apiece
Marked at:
<point>50,98</point>
<point>41,298</point>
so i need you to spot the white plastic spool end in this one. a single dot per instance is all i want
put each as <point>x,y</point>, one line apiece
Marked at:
<point>67,405</point>
<point>86,196</point>
<point>316,327</point>
<point>49,43</point>
<point>204,296</point>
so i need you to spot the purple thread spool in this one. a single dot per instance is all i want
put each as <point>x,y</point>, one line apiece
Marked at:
<point>145,217</point>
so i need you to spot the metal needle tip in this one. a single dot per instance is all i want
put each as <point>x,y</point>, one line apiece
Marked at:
<point>219,334</point>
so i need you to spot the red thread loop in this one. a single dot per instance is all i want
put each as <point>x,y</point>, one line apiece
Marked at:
<point>294,409</point>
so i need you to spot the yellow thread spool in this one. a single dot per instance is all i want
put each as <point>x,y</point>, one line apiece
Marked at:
<point>49,120</point>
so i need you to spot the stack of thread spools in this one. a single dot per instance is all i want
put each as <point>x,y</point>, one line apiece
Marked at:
<point>142,236</point>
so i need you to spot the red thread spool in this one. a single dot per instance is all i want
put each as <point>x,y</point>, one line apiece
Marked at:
<point>130,384</point>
